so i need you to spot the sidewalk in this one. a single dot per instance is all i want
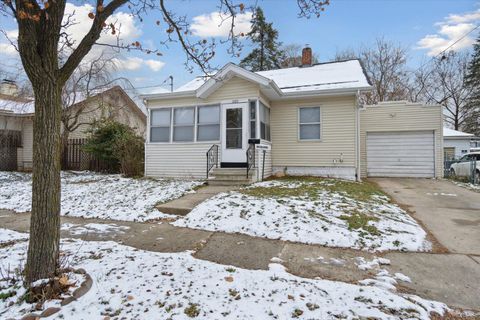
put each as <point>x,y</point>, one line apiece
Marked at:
<point>450,278</point>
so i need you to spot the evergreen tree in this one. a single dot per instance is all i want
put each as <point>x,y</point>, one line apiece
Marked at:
<point>267,54</point>
<point>472,80</point>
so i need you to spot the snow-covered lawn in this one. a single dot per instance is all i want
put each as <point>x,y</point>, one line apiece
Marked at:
<point>135,284</point>
<point>312,210</point>
<point>7,236</point>
<point>93,195</point>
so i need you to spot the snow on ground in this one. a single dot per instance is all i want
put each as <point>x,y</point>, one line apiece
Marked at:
<point>470,186</point>
<point>136,284</point>
<point>97,228</point>
<point>7,235</point>
<point>318,211</point>
<point>93,195</point>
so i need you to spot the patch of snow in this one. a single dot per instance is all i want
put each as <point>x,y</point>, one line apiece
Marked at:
<point>136,284</point>
<point>402,277</point>
<point>470,186</point>
<point>302,219</point>
<point>7,235</point>
<point>96,228</point>
<point>93,195</point>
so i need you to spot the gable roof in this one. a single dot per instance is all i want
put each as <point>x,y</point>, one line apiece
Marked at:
<point>323,78</point>
<point>24,106</point>
<point>450,133</point>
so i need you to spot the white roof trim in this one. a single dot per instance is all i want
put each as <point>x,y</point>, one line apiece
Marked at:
<point>227,72</point>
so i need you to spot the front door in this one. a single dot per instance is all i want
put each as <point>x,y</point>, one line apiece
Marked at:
<point>234,134</point>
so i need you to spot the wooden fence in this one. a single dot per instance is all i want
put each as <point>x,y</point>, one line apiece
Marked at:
<point>10,140</point>
<point>75,158</point>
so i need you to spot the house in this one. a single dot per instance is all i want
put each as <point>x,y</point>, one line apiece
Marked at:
<point>17,113</point>
<point>457,143</point>
<point>300,121</point>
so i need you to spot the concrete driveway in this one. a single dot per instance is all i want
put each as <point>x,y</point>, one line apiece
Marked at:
<point>451,213</point>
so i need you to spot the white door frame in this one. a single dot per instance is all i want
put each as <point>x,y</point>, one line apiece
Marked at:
<point>235,155</point>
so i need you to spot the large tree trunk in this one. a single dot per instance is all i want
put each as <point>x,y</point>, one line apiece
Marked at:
<point>43,249</point>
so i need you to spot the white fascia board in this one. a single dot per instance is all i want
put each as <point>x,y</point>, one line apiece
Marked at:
<point>230,70</point>
<point>331,92</point>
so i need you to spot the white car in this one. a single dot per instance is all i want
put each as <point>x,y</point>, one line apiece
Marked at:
<point>463,167</point>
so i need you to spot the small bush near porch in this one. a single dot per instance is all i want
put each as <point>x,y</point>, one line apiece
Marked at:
<point>312,210</point>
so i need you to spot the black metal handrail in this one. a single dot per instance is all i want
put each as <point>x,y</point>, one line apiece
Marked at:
<point>212,158</point>
<point>250,157</point>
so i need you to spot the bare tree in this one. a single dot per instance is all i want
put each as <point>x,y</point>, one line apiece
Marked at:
<point>346,54</point>
<point>386,66</point>
<point>88,81</point>
<point>42,26</point>
<point>443,82</point>
<point>293,56</point>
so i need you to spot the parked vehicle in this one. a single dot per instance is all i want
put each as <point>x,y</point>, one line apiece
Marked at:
<point>467,166</point>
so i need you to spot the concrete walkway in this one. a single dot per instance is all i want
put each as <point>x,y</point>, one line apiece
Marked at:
<point>451,213</point>
<point>450,278</point>
<point>183,205</point>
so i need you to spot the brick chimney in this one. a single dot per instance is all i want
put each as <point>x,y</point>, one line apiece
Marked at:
<point>307,56</point>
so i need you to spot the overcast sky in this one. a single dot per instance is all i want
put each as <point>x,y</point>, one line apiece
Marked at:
<point>424,27</point>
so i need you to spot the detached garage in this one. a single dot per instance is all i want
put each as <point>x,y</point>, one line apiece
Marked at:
<point>400,139</point>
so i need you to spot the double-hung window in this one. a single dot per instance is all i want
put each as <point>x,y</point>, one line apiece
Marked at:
<point>160,125</point>
<point>208,123</point>
<point>183,124</point>
<point>253,118</point>
<point>309,123</point>
<point>264,122</point>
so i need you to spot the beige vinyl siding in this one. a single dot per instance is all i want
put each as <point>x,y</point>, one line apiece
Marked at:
<point>337,117</point>
<point>106,107</point>
<point>186,160</point>
<point>399,117</point>
<point>177,160</point>
<point>233,89</point>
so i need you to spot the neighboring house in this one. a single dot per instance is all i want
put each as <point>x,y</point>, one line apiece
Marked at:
<point>306,121</point>
<point>457,143</point>
<point>16,122</point>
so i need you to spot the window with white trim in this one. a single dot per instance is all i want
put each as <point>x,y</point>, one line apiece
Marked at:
<point>183,124</point>
<point>309,123</point>
<point>160,125</point>
<point>253,118</point>
<point>264,122</point>
<point>208,123</point>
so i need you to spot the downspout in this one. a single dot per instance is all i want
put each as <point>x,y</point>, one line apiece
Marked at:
<point>357,137</point>
<point>147,138</point>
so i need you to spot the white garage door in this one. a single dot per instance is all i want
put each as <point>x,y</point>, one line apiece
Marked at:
<point>401,154</point>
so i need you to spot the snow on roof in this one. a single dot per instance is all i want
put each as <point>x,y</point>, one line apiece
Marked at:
<point>447,132</point>
<point>323,76</point>
<point>16,104</point>
<point>192,85</point>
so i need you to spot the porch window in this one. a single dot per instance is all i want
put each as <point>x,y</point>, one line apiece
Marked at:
<point>253,118</point>
<point>309,123</point>
<point>160,125</point>
<point>208,123</point>
<point>183,124</point>
<point>264,122</point>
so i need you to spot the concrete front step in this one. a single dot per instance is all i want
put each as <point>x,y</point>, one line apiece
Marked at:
<point>228,182</point>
